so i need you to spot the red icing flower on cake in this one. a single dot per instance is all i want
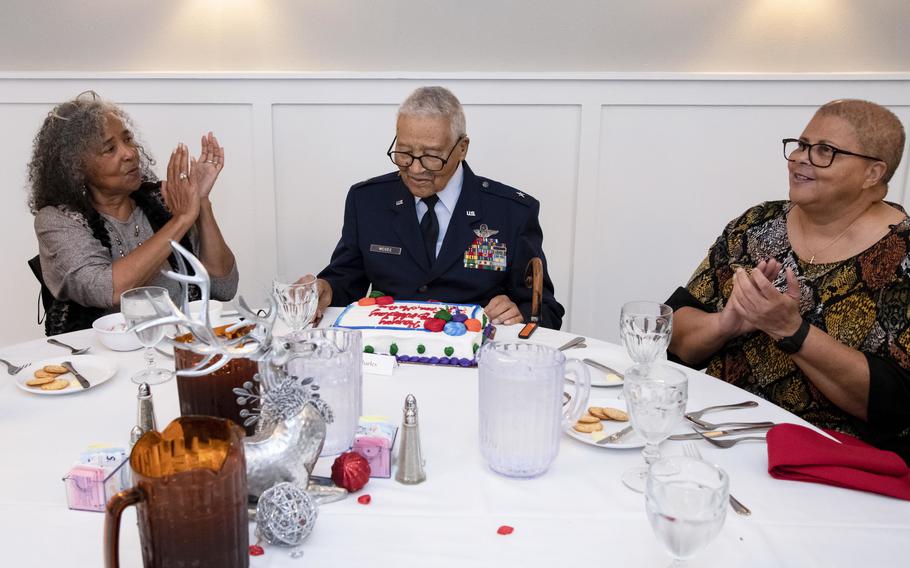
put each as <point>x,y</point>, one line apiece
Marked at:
<point>434,324</point>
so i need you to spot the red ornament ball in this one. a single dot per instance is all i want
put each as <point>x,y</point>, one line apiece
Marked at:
<point>351,471</point>
<point>505,529</point>
<point>364,499</point>
<point>256,550</point>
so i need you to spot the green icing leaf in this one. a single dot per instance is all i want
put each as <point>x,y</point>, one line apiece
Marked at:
<point>376,294</point>
<point>476,347</point>
<point>448,351</point>
<point>484,322</point>
<point>393,349</point>
<point>421,349</point>
<point>443,315</point>
<point>368,349</point>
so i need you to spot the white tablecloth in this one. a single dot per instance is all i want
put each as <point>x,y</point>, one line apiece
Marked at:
<point>577,514</point>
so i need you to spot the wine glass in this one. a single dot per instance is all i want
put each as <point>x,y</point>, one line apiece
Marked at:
<point>297,302</point>
<point>645,328</point>
<point>686,502</point>
<point>656,396</point>
<point>137,306</point>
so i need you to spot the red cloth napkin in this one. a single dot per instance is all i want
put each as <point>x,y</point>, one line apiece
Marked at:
<point>801,454</point>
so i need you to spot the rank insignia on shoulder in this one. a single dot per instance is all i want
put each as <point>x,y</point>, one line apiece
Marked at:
<point>486,253</point>
<point>519,194</point>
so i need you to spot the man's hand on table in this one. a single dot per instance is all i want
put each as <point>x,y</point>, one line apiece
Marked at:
<point>502,310</point>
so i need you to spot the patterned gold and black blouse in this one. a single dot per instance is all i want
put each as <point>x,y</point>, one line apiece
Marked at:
<point>863,302</point>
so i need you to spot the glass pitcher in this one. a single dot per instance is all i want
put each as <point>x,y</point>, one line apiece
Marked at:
<point>522,415</point>
<point>336,365</point>
<point>190,494</point>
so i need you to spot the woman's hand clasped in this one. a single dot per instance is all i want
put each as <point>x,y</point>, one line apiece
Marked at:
<point>181,188</point>
<point>759,305</point>
<point>209,164</point>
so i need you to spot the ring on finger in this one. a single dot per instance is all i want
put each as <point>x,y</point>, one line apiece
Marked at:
<point>183,175</point>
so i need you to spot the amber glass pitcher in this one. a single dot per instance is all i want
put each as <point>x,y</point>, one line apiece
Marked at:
<point>190,494</point>
<point>213,394</point>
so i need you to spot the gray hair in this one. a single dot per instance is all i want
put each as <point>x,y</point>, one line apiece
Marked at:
<point>56,172</point>
<point>879,131</point>
<point>435,101</point>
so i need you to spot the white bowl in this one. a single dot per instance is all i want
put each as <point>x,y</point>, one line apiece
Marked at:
<point>215,309</point>
<point>111,331</point>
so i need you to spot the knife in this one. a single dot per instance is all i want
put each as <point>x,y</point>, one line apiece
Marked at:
<point>82,380</point>
<point>602,367</point>
<point>615,437</point>
<point>718,433</point>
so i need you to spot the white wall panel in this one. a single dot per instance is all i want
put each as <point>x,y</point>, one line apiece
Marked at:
<point>18,288</point>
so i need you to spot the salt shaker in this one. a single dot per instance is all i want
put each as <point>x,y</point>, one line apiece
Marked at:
<point>410,458</point>
<point>145,414</point>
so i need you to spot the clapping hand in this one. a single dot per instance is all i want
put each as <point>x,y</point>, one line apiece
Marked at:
<point>732,319</point>
<point>209,164</point>
<point>762,306</point>
<point>180,190</point>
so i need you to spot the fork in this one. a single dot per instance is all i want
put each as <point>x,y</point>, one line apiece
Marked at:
<point>72,349</point>
<point>731,442</point>
<point>13,369</point>
<point>694,417</point>
<point>690,450</point>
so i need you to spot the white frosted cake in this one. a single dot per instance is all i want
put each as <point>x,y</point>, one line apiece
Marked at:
<point>418,332</point>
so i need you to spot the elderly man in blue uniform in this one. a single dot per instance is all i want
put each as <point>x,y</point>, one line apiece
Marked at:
<point>433,230</point>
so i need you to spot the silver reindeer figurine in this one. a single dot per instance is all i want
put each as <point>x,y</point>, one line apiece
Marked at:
<point>291,421</point>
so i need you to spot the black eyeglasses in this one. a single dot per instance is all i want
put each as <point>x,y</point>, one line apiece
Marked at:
<point>820,155</point>
<point>429,163</point>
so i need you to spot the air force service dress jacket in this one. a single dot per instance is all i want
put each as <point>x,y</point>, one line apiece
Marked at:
<point>493,233</point>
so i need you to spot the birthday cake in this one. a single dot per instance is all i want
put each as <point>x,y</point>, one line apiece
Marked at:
<point>418,332</point>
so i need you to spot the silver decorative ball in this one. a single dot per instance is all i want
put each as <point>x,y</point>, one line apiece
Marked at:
<point>285,514</point>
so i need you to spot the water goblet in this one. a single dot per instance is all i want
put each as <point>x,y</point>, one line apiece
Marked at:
<point>656,396</point>
<point>686,501</point>
<point>645,328</point>
<point>297,302</point>
<point>138,306</point>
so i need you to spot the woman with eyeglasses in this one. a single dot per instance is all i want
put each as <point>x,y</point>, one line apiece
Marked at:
<point>103,220</point>
<point>805,302</point>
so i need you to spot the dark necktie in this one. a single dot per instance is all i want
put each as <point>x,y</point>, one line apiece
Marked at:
<point>429,226</point>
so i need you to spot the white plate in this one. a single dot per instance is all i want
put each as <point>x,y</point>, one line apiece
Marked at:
<point>629,441</point>
<point>95,369</point>
<point>609,358</point>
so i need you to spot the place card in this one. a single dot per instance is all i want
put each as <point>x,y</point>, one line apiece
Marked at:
<point>376,364</point>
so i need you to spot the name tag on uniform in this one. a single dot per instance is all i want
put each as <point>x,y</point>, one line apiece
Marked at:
<point>385,249</point>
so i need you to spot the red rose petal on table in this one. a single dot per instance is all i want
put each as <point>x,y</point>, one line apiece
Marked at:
<point>364,499</point>
<point>505,529</point>
<point>256,550</point>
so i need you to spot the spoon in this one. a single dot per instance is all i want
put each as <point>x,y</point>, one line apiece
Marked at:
<point>72,349</point>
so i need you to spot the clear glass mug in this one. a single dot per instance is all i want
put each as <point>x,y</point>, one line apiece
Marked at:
<point>522,415</point>
<point>336,365</point>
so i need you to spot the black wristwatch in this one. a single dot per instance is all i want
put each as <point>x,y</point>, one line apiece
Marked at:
<point>794,343</point>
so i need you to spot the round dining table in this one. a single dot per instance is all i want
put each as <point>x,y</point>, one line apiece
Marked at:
<point>576,514</point>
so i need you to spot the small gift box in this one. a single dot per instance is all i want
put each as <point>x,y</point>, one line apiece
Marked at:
<point>374,441</point>
<point>97,476</point>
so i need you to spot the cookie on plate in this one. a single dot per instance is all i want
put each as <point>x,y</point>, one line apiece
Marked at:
<point>58,384</point>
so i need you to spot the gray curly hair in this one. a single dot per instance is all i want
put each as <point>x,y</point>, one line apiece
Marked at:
<point>436,101</point>
<point>56,172</point>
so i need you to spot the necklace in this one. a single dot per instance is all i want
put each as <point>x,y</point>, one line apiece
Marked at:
<point>119,241</point>
<point>815,253</point>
